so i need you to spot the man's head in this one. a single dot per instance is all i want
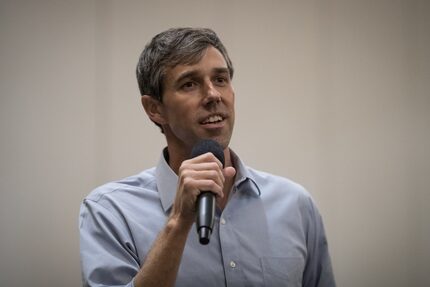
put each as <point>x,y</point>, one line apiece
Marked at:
<point>185,77</point>
<point>170,48</point>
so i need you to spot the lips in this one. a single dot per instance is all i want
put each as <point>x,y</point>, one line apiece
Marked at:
<point>213,119</point>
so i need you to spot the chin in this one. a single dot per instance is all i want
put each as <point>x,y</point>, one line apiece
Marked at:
<point>223,142</point>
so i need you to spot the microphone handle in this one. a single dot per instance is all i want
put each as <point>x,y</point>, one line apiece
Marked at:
<point>205,216</point>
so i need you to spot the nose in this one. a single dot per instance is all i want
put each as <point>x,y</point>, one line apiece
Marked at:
<point>212,95</point>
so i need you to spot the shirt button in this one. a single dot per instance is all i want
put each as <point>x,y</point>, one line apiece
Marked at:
<point>222,221</point>
<point>232,264</point>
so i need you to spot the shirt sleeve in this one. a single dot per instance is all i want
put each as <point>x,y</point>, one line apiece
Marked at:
<point>106,248</point>
<point>318,270</point>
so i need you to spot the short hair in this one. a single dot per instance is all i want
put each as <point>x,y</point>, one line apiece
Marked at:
<point>171,48</point>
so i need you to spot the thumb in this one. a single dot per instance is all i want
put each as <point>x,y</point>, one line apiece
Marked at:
<point>229,172</point>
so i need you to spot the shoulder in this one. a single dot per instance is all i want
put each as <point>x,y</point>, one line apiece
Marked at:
<point>281,193</point>
<point>268,182</point>
<point>121,200</point>
<point>286,199</point>
<point>143,182</point>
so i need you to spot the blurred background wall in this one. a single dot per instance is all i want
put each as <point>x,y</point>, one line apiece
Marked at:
<point>332,94</point>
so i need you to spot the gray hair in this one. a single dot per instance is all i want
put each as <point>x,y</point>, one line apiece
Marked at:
<point>171,48</point>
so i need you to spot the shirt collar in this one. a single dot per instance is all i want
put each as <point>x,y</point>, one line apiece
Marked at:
<point>167,179</point>
<point>243,174</point>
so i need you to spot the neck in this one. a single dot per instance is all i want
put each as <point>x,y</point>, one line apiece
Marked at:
<point>176,158</point>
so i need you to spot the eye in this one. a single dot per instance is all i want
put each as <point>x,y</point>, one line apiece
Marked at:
<point>188,86</point>
<point>221,80</point>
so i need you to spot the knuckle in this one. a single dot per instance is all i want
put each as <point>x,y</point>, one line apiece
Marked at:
<point>213,173</point>
<point>209,155</point>
<point>214,186</point>
<point>213,165</point>
<point>187,181</point>
<point>184,166</point>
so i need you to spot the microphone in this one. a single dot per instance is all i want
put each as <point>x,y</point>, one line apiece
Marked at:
<point>206,199</point>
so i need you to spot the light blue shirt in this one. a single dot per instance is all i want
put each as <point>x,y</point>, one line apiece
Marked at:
<point>269,234</point>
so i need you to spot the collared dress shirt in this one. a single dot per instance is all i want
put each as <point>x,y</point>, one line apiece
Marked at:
<point>269,234</point>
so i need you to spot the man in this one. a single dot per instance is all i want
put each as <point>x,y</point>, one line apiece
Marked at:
<point>139,231</point>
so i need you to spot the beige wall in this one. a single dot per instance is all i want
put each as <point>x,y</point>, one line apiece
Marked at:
<point>333,94</point>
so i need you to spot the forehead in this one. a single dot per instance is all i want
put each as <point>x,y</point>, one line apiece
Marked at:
<point>210,61</point>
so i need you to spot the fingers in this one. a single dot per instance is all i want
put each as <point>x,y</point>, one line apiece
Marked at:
<point>206,160</point>
<point>194,186</point>
<point>202,163</point>
<point>202,170</point>
<point>203,173</point>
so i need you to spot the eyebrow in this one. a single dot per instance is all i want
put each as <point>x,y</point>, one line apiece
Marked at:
<point>189,74</point>
<point>222,70</point>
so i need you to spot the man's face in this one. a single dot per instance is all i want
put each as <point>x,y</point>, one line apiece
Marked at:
<point>198,102</point>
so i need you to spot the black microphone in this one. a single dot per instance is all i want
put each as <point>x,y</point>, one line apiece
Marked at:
<point>206,199</point>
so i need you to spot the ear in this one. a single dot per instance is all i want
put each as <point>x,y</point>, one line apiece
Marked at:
<point>154,109</point>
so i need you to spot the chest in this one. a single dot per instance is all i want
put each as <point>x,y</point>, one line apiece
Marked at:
<point>254,243</point>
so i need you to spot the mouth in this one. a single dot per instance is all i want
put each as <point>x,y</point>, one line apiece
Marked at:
<point>214,120</point>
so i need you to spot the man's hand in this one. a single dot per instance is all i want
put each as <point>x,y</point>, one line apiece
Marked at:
<point>201,173</point>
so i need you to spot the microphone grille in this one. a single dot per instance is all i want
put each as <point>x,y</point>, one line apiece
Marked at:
<point>208,145</point>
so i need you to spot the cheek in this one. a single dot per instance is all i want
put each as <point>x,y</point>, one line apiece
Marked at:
<point>182,119</point>
<point>176,111</point>
<point>231,101</point>
<point>231,96</point>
